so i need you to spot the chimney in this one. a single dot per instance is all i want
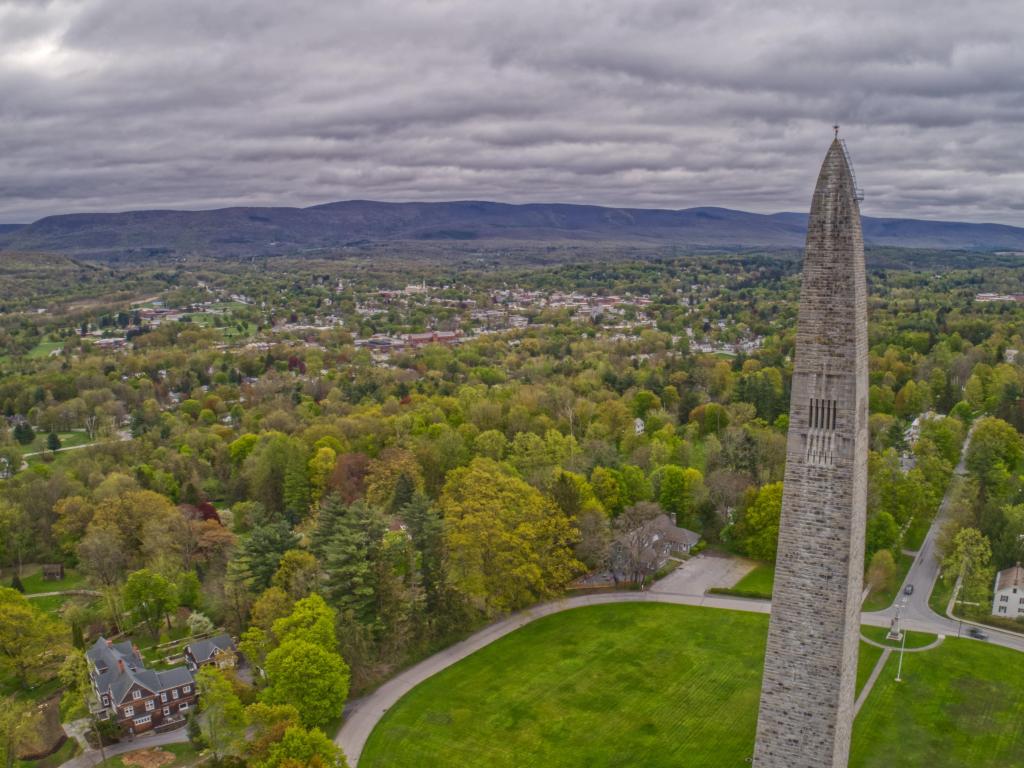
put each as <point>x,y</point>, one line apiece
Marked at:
<point>120,666</point>
<point>110,643</point>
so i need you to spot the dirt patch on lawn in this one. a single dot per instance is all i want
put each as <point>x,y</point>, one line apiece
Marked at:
<point>46,735</point>
<point>154,757</point>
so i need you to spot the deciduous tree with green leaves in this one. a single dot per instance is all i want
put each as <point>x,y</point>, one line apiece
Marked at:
<point>309,677</point>
<point>298,573</point>
<point>149,597</point>
<point>994,456</point>
<point>30,640</point>
<point>507,544</point>
<point>970,559</point>
<point>304,747</point>
<point>311,620</point>
<point>760,525</point>
<point>222,717</point>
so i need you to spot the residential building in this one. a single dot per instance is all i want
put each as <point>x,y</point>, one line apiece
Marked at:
<point>137,698</point>
<point>1008,594</point>
<point>218,651</point>
<point>647,548</point>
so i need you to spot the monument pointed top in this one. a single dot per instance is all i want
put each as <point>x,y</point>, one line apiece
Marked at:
<point>837,168</point>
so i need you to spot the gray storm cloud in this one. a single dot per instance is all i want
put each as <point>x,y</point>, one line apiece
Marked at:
<point>193,104</point>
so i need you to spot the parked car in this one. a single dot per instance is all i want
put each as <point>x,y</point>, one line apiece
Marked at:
<point>908,590</point>
<point>977,634</point>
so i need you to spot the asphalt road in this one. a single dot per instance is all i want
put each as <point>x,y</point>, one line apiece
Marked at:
<point>92,757</point>
<point>913,610</point>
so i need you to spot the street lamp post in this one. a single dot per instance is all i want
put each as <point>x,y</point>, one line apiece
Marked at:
<point>899,668</point>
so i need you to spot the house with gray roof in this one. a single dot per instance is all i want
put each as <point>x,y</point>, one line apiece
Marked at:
<point>218,650</point>
<point>640,551</point>
<point>138,698</point>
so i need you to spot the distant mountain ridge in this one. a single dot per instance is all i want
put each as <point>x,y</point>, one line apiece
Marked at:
<point>272,230</point>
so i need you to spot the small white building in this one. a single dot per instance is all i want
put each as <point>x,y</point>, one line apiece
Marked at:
<point>1008,595</point>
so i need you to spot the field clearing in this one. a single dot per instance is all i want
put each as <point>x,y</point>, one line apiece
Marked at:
<point>67,440</point>
<point>44,348</point>
<point>34,583</point>
<point>662,685</point>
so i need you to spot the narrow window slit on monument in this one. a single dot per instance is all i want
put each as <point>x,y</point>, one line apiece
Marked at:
<point>821,426</point>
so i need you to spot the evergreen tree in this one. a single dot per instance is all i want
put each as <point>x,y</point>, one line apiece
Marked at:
<point>296,486</point>
<point>423,522</point>
<point>53,441</point>
<point>405,487</point>
<point>24,433</point>
<point>263,550</point>
<point>348,558</point>
<point>332,509</point>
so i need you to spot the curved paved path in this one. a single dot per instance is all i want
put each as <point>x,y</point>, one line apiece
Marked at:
<point>933,644</point>
<point>364,714</point>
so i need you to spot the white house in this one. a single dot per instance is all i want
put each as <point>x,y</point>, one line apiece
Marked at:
<point>1008,597</point>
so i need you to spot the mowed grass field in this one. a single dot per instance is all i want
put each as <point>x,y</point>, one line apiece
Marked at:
<point>613,685</point>
<point>636,684</point>
<point>961,704</point>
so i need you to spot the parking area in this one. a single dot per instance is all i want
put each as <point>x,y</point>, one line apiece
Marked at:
<point>706,570</point>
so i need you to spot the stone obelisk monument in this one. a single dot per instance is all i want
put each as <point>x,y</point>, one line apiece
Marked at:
<point>810,668</point>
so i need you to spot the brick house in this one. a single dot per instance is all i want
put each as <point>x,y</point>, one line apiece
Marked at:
<point>218,651</point>
<point>139,699</point>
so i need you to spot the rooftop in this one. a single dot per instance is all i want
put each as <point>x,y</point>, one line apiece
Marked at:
<point>1010,577</point>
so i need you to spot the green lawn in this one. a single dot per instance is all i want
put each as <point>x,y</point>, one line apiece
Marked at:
<point>662,685</point>
<point>915,535</point>
<point>879,601</point>
<point>761,580</point>
<point>757,583</point>
<point>939,598</point>
<point>34,582</point>
<point>44,348</point>
<point>913,639</point>
<point>961,704</point>
<point>50,603</point>
<point>67,440</point>
<point>623,685</point>
<point>867,658</point>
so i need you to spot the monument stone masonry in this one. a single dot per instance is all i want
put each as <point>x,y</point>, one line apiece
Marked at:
<point>807,696</point>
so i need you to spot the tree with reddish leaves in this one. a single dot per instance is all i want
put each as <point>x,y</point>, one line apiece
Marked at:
<point>348,480</point>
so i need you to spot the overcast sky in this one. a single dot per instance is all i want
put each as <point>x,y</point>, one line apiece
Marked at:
<point>122,104</point>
